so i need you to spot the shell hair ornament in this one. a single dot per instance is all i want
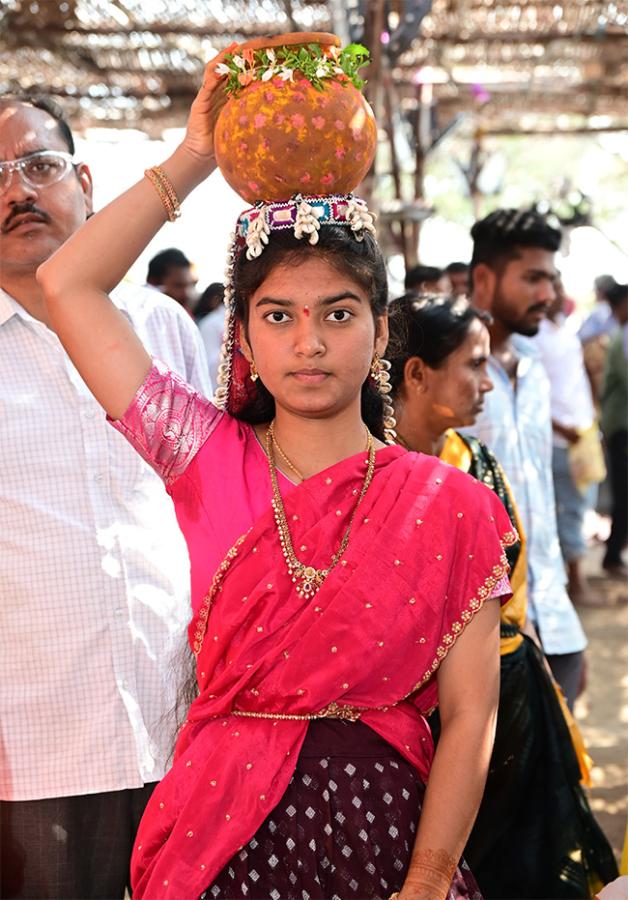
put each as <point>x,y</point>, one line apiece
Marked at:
<point>304,215</point>
<point>380,373</point>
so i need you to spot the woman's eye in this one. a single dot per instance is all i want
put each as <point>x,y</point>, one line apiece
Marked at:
<point>339,315</point>
<point>277,317</point>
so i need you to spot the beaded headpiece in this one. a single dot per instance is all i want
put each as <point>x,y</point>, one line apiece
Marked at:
<point>304,215</point>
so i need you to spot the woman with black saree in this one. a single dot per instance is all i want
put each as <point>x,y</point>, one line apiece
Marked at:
<point>535,835</point>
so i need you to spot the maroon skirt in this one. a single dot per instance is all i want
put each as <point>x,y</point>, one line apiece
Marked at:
<point>343,829</point>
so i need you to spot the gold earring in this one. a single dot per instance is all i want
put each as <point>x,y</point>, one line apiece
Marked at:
<point>380,373</point>
<point>254,375</point>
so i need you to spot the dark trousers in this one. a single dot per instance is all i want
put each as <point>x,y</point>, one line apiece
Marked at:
<point>69,848</point>
<point>617,455</point>
<point>567,671</point>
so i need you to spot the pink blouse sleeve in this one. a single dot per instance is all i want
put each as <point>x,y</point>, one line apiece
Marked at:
<point>167,422</point>
<point>502,590</point>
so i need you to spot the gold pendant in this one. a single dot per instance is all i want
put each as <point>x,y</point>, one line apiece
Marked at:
<point>310,580</point>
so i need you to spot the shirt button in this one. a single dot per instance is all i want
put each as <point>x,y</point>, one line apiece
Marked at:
<point>124,684</point>
<point>98,478</point>
<point>89,414</point>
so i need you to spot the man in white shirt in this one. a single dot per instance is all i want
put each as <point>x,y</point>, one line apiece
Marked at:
<point>572,415</point>
<point>212,329</point>
<point>512,276</point>
<point>600,320</point>
<point>93,569</point>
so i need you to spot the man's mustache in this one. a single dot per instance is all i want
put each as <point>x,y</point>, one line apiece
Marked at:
<point>23,209</point>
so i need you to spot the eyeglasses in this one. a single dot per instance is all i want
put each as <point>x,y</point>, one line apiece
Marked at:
<point>37,170</point>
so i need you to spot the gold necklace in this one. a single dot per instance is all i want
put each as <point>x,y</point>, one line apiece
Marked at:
<point>307,579</point>
<point>277,445</point>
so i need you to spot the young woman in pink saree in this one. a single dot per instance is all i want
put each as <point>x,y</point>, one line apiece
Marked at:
<point>340,587</point>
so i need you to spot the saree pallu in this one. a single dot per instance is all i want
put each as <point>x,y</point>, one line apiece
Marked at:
<point>535,835</point>
<point>472,456</point>
<point>426,551</point>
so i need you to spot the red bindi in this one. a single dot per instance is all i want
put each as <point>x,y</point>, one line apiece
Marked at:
<point>306,310</point>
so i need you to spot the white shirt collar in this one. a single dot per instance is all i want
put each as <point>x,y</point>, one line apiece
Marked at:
<point>9,308</point>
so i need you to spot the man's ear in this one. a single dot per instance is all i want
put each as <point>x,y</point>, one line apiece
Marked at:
<point>87,186</point>
<point>483,280</point>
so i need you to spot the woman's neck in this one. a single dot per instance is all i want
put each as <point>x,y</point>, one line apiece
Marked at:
<point>415,431</point>
<point>313,445</point>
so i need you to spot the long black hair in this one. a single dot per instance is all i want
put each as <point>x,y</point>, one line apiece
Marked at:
<point>362,261</point>
<point>428,326</point>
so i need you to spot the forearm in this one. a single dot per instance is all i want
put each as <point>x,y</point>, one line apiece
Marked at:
<point>99,255</point>
<point>76,282</point>
<point>565,431</point>
<point>451,802</point>
<point>77,279</point>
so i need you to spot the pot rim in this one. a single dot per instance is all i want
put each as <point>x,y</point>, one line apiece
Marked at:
<point>292,39</point>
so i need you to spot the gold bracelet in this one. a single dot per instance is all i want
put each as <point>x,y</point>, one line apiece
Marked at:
<point>169,188</point>
<point>163,194</point>
<point>166,191</point>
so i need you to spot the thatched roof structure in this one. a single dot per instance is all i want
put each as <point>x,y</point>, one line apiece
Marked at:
<point>525,64</point>
<point>132,62</point>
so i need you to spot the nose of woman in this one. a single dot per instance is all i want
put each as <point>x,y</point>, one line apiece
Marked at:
<point>308,340</point>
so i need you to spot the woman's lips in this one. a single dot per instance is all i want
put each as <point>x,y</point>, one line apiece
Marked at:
<point>310,376</point>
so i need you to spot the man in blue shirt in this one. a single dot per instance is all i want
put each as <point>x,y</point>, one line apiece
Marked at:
<point>512,276</point>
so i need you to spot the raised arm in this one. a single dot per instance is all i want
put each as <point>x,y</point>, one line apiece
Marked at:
<point>468,689</point>
<point>76,280</point>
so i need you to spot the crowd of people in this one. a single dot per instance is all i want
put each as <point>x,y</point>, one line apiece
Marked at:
<point>367,515</point>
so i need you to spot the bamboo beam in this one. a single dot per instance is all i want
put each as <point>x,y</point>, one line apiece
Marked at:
<point>563,132</point>
<point>527,37</point>
<point>214,29</point>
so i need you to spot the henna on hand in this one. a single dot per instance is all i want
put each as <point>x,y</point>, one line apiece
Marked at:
<point>429,876</point>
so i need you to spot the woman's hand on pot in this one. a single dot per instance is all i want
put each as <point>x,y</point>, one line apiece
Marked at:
<point>211,97</point>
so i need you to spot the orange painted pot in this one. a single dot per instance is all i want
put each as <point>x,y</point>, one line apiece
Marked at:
<point>277,138</point>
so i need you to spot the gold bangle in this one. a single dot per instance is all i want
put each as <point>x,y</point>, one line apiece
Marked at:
<point>169,188</point>
<point>163,195</point>
<point>164,188</point>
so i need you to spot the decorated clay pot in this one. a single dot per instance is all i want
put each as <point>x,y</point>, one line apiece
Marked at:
<point>282,133</point>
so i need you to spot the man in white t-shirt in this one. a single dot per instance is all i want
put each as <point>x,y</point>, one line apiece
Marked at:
<point>94,572</point>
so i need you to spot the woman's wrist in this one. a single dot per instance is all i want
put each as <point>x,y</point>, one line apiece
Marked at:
<point>429,876</point>
<point>186,170</point>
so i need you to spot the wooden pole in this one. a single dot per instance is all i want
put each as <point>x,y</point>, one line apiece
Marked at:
<point>399,234</point>
<point>373,27</point>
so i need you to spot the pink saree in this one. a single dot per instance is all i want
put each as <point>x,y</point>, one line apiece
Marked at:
<point>426,551</point>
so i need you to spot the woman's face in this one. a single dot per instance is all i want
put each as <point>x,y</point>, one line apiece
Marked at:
<point>312,335</point>
<point>457,388</point>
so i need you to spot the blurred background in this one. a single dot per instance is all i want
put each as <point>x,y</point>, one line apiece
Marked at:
<point>480,103</point>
